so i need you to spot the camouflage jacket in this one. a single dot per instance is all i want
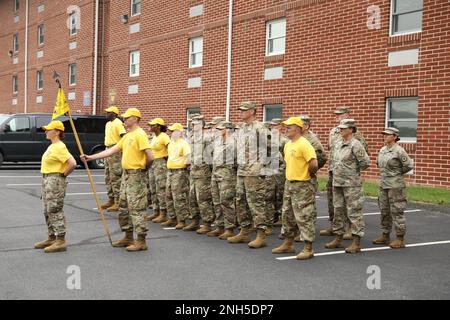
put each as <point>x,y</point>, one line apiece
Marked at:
<point>224,159</point>
<point>276,163</point>
<point>250,139</point>
<point>200,145</point>
<point>335,137</point>
<point>349,159</point>
<point>393,162</point>
<point>318,147</point>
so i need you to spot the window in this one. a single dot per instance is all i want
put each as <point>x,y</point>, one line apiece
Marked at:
<point>73,23</point>
<point>16,5</point>
<point>72,74</point>
<point>135,7</point>
<point>135,57</point>
<point>196,52</point>
<point>276,37</point>
<point>190,112</point>
<point>15,84</point>
<point>406,16</point>
<point>40,80</point>
<point>40,35</point>
<point>19,125</point>
<point>402,114</point>
<point>273,111</point>
<point>16,42</point>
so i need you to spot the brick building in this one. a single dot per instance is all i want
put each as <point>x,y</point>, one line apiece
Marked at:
<point>389,60</point>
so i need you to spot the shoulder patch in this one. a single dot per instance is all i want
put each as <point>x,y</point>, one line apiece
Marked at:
<point>360,153</point>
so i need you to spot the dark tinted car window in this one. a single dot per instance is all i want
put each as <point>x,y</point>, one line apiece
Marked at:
<point>91,125</point>
<point>40,122</point>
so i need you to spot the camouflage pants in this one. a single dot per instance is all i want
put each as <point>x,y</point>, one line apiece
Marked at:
<point>160,173</point>
<point>392,203</point>
<point>53,193</point>
<point>133,201</point>
<point>113,176</point>
<point>330,196</point>
<point>226,194</point>
<point>215,194</point>
<point>299,210</point>
<point>271,198</point>
<point>250,202</point>
<point>169,200</point>
<point>279,192</point>
<point>348,204</point>
<point>151,197</point>
<point>177,192</point>
<point>200,199</point>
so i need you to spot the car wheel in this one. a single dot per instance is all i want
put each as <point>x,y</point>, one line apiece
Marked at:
<point>97,164</point>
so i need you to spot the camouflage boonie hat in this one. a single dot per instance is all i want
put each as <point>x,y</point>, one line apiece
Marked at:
<point>192,116</point>
<point>207,125</point>
<point>305,118</point>
<point>347,123</point>
<point>225,125</point>
<point>391,131</point>
<point>275,121</point>
<point>217,120</point>
<point>342,110</point>
<point>247,106</point>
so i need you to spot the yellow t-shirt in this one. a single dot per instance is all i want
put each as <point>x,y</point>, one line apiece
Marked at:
<point>179,152</point>
<point>113,130</point>
<point>297,156</point>
<point>54,160</point>
<point>133,145</point>
<point>159,145</point>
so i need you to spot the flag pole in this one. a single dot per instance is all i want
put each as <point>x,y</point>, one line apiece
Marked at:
<point>91,181</point>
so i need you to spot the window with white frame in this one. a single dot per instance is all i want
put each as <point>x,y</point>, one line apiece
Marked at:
<point>40,35</point>
<point>72,74</point>
<point>134,63</point>
<point>406,16</point>
<point>16,42</point>
<point>273,111</point>
<point>39,79</point>
<point>16,5</point>
<point>73,23</point>
<point>15,84</point>
<point>135,7</point>
<point>275,37</point>
<point>196,52</point>
<point>402,114</point>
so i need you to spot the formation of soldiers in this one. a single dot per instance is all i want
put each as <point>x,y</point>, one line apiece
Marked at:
<point>219,177</point>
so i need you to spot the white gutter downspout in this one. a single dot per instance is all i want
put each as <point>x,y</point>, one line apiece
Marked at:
<point>25,109</point>
<point>94,91</point>
<point>230,41</point>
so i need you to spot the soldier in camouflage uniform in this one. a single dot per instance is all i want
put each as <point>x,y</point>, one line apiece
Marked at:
<point>151,198</point>
<point>349,159</point>
<point>393,162</point>
<point>57,164</point>
<point>299,204</point>
<point>250,190</point>
<point>133,202</point>
<point>223,180</point>
<point>333,139</point>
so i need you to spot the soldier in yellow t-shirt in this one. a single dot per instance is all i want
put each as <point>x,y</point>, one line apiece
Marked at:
<point>299,202</point>
<point>57,164</point>
<point>136,158</point>
<point>114,131</point>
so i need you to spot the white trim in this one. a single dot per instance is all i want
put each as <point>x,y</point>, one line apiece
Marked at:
<point>391,20</point>
<point>131,9</point>
<point>15,83</point>
<point>272,106</point>
<point>70,74</point>
<point>192,41</point>
<point>39,34</point>
<point>39,72</point>
<point>71,25</point>
<point>229,56</point>
<point>133,53</point>
<point>386,120</point>
<point>268,24</point>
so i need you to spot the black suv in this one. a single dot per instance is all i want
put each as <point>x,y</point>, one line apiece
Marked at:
<point>23,140</point>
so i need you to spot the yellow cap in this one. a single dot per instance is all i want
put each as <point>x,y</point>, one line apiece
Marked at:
<point>294,121</point>
<point>113,109</point>
<point>54,125</point>
<point>157,121</point>
<point>176,126</point>
<point>132,112</point>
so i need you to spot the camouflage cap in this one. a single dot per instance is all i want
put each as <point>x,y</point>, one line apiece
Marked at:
<point>192,116</point>
<point>217,120</point>
<point>305,118</point>
<point>276,121</point>
<point>247,105</point>
<point>207,125</point>
<point>347,123</point>
<point>391,131</point>
<point>342,110</point>
<point>225,125</point>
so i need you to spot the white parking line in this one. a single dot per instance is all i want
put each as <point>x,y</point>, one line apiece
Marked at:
<point>39,184</point>
<point>375,213</point>
<point>321,254</point>
<point>83,193</point>
<point>172,228</point>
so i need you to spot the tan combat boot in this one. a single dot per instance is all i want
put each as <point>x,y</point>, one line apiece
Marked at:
<point>286,247</point>
<point>205,228</point>
<point>336,243</point>
<point>307,252</point>
<point>161,218</point>
<point>398,243</point>
<point>195,224</point>
<point>172,222</point>
<point>46,243</point>
<point>383,239</point>
<point>355,247</point>
<point>154,215</point>
<point>113,208</point>
<point>180,225</point>
<point>348,235</point>
<point>227,234</point>
<point>217,232</point>
<point>139,245</point>
<point>58,246</point>
<point>242,237</point>
<point>108,204</point>
<point>260,240</point>
<point>328,232</point>
<point>127,240</point>
<point>269,231</point>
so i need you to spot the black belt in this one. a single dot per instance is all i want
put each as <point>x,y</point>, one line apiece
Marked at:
<point>45,175</point>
